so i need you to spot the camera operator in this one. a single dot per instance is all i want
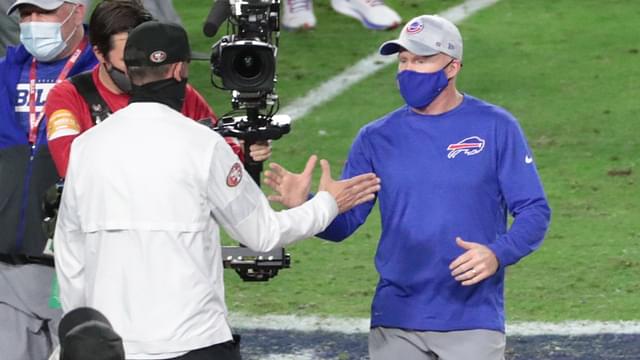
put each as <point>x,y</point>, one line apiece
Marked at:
<point>78,104</point>
<point>138,233</point>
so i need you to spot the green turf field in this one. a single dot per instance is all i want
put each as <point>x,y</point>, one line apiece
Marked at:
<point>568,69</point>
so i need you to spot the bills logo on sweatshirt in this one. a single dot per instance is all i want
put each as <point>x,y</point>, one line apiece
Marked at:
<point>235,175</point>
<point>469,146</point>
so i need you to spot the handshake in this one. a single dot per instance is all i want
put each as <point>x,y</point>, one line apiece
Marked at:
<point>293,189</point>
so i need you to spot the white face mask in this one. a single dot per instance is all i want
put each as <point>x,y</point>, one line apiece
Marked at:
<point>44,40</point>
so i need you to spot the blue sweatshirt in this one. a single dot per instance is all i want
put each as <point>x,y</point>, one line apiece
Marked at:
<point>444,176</point>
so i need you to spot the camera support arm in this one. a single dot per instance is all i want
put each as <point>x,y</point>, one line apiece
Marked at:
<point>245,62</point>
<point>253,128</point>
<point>254,168</point>
<point>250,265</point>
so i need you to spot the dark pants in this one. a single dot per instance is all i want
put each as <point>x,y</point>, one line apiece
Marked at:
<point>229,350</point>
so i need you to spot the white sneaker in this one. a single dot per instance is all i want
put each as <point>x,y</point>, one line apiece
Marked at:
<point>373,14</point>
<point>298,14</point>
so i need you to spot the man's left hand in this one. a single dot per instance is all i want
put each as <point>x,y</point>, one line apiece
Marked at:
<point>291,189</point>
<point>475,265</point>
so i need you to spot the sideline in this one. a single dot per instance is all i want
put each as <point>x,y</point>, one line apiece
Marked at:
<point>367,66</point>
<point>361,325</point>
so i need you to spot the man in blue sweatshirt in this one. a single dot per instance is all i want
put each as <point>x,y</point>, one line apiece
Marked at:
<point>452,167</point>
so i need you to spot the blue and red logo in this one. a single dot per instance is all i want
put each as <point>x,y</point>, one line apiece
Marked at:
<point>469,146</point>
<point>415,27</point>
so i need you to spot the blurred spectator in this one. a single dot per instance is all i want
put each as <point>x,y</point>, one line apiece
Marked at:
<point>161,10</point>
<point>374,14</point>
<point>8,27</point>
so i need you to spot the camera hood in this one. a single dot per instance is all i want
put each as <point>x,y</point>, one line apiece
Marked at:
<point>245,65</point>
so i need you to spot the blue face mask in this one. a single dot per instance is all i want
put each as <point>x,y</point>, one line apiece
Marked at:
<point>44,40</point>
<point>420,89</point>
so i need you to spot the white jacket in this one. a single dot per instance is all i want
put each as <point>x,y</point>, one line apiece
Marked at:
<point>137,236</point>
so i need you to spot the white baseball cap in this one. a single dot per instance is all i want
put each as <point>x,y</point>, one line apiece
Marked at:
<point>427,35</point>
<point>42,4</point>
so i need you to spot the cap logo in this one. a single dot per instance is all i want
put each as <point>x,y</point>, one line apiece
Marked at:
<point>158,56</point>
<point>415,27</point>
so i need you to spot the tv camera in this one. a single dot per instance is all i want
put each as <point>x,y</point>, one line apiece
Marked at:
<point>244,63</point>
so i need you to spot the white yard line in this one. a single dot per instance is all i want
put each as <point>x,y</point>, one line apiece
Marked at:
<point>302,355</point>
<point>367,66</point>
<point>360,325</point>
<point>573,328</point>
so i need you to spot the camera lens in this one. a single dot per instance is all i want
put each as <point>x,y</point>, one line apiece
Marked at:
<point>247,64</point>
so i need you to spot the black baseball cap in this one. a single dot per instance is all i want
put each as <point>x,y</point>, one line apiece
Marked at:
<point>86,334</point>
<point>155,43</point>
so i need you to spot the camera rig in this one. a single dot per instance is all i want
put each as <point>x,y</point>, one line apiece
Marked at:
<point>244,61</point>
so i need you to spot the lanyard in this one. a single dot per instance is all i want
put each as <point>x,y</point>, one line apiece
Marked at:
<point>34,119</point>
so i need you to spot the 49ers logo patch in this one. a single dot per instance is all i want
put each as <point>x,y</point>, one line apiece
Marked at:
<point>235,175</point>
<point>158,56</point>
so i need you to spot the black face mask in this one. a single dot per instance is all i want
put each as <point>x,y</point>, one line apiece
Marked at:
<point>169,92</point>
<point>119,78</point>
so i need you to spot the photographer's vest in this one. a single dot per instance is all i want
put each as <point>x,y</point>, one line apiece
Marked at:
<point>87,89</point>
<point>99,110</point>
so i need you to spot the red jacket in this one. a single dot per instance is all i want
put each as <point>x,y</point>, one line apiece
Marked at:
<point>68,115</point>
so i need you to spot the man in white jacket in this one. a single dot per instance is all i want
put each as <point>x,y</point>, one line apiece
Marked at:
<point>137,236</point>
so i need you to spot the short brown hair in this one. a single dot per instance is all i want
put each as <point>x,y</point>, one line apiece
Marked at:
<point>112,17</point>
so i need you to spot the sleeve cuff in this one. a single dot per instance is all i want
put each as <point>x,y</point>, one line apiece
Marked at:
<point>330,203</point>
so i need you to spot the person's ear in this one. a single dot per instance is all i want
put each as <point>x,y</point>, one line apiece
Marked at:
<point>78,14</point>
<point>101,58</point>
<point>180,71</point>
<point>453,68</point>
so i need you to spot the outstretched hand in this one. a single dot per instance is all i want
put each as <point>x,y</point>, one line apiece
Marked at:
<point>351,192</point>
<point>291,189</point>
<point>475,265</point>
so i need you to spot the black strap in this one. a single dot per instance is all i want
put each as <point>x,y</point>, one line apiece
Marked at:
<point>20,259</point>
<point>87,89</point>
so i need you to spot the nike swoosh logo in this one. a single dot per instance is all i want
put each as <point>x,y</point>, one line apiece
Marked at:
<point>528,159</point>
